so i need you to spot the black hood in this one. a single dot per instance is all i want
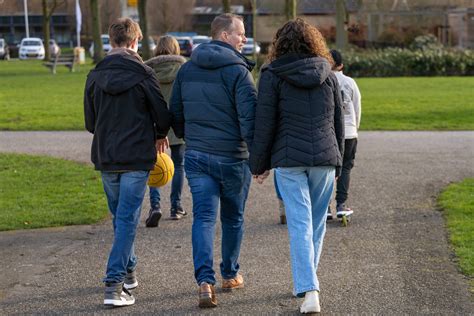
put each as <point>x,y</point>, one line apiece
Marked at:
<point>301,70</point>
<point>217,54</point>
<point>119,72</point>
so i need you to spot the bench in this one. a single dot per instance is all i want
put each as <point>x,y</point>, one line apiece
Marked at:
<point>66,60</point>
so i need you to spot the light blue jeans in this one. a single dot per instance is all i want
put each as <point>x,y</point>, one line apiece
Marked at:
<point>306,192</point>
<point>125,192</point>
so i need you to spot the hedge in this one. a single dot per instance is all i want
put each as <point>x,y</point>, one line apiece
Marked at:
<point>396,62</point>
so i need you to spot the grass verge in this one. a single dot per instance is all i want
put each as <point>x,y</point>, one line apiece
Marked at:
<point>457,201</point>
<point>33,99</point>
<point>38,192</point>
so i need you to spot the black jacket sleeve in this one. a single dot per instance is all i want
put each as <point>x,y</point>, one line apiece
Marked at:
<point>265,124</point>
<point>89,109</point>
<point>338,122</point>
<point>159,110</point>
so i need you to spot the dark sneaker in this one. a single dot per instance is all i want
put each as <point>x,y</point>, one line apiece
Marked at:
<point>281,209</point>
<point>177,213</point>
<point>342,210</point>
<point>207,295</point>
<point>115,295</point>
<point>329,214</point>
<point>153,217</point>
<point>130,281</point>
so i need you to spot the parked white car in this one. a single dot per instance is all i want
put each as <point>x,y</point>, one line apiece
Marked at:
<point>200,39</point>
<point>31,47</point>
<point>248,47</point>
<point>105,45</point>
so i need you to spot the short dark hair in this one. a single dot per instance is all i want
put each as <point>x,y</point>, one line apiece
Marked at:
<point>222,23</point>
<point>336,55</point>
<point>124,31</point>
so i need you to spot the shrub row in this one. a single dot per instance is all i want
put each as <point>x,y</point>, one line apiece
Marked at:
<point>395,62</point>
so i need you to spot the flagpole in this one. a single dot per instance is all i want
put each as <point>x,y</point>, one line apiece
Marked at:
<point>25,4</point>
<point>78,22</point>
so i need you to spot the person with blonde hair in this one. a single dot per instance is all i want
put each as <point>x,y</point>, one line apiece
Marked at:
<point>299,131</point>
<point>126,112</point>
<point>166,64</point>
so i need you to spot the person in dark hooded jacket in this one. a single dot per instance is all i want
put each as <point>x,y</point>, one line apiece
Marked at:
<point>213,106</point>
<point>299,131</point>
<point>126,112</point>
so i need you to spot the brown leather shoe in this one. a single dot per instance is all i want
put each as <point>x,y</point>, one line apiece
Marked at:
<point>234,283</point>
<point>207,295</point>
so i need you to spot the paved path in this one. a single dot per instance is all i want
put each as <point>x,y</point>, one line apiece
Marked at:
<point>394,258</point>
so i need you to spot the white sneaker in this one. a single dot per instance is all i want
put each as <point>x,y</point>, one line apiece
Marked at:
<point>310,303</point>
<point>342,210</point>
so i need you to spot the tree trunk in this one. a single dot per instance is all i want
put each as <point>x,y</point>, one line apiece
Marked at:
<point>290,9</point>
<point>46,30</point>
<point>146,54</point>
<point>98,50</point>
<point>226,6</point>
<point>341,25</point>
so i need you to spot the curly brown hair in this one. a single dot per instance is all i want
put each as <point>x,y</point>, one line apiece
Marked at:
<point>298,36</point>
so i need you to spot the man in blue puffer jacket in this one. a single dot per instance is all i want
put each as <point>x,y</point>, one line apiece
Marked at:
<point>213,106</point>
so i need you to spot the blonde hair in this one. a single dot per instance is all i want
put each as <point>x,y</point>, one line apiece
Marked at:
<point>123,32</point>
<point>298,36</point>
<point>167,45</point>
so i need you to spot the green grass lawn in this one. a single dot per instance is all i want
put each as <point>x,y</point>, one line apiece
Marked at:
<point>40,192</point>
<point>33,99</point>
<point>420,103</point>
<point>457,201</point>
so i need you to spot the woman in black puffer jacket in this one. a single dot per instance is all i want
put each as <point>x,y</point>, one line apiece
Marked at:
<point>299,131</point>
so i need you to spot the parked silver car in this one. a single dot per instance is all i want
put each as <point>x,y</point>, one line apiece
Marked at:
<point>248,47</point>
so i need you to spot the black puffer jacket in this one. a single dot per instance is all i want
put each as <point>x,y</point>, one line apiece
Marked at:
<point>299,120</point>
<point>126,112</point>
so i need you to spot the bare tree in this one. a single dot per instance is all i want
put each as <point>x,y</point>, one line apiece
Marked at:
<point>49,6</point>
<point>169,15</point>
<point>290,9</point>
<point>98,50</point>
<point>226,6</point>
<point>342,20</point>
<point>143,25</point>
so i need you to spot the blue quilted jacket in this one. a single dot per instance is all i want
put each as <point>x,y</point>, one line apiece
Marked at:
<point>213,101</point>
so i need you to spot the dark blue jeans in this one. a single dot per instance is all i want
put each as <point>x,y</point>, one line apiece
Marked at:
<point>216,179</point>
<point>177,156</point>
<point>125,192</point>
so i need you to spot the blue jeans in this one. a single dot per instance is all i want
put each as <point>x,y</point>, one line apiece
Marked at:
<point>306,192</point>
<point>177,156</point>
<point>215,179</point>
<point>125,192</point>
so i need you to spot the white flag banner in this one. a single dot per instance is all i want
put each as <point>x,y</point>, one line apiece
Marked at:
<point>78,23</point>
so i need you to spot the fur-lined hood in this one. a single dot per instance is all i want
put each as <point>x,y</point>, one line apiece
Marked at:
<point>166,66</point>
